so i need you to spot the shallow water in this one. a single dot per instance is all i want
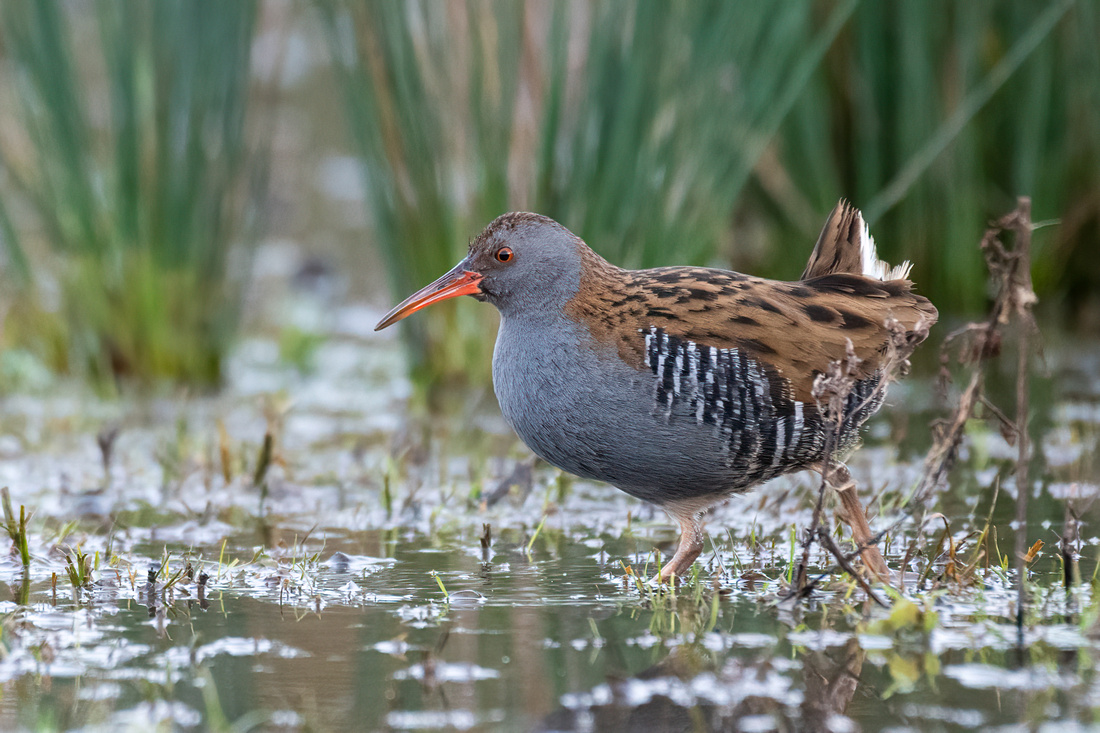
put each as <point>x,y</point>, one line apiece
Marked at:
<point>329,606</point>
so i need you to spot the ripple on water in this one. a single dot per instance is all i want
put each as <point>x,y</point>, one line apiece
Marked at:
<point>987,676</point>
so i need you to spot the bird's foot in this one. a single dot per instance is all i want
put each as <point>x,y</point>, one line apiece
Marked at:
<point>691,542</point>
<point>676,570</point>
<point>855,517</point>
<point>853,514</point>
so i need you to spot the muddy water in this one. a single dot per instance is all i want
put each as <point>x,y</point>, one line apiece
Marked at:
<point>351,587</point>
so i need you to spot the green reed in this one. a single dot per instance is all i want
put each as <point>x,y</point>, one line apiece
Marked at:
<point>715,132</point>
<point>934,117</point>
<point>16,527</point>
<point>636,124</point>
<point>129,142</point>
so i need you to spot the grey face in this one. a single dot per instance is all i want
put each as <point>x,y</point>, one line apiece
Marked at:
<point>528,263</point>
<point>522,263</point>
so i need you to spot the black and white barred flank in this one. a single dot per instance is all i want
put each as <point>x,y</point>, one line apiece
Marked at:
<point>766,431</point>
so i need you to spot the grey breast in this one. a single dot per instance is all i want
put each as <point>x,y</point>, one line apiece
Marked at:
<point>690,422</point>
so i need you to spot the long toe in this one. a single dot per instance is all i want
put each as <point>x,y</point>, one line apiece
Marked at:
<point>679,566</point>
<point>855,517</point>
<point>689,549</point>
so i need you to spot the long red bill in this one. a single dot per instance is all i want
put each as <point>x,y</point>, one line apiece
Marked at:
<point>457,282</point>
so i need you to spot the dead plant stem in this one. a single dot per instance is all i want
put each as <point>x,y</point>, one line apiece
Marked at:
<point>1022,277</point>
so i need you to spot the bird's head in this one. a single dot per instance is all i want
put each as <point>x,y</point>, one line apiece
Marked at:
<point>521,263</point>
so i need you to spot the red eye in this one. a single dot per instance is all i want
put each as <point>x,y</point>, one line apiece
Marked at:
<point>504,255</point>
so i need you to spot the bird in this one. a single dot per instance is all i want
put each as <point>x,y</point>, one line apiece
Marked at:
<point>683,386</point>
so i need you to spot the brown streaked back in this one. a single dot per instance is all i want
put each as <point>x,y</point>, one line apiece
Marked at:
<point>797,328</point>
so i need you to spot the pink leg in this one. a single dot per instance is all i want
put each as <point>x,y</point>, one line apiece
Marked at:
<point>853,514</point>
<point>690,516</point>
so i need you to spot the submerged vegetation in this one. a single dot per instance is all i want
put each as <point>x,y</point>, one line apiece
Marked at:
<point>322,607</point>
<point>233,561</point>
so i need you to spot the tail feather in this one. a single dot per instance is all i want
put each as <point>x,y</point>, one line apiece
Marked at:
<point>846,246</point>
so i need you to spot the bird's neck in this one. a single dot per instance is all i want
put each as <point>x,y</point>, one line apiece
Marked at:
<point>605,296</point>
<point>560,318</point>
<point>554,295</point>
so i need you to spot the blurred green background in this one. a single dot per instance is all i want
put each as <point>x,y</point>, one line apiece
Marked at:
<point>156,156</point>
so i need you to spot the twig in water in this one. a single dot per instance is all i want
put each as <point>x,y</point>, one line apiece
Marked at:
<point>832,391</point>
<point>106,440</point>
<point>1070,540</point>
<point>486,542</point>
<point>1017,298</point>
<point>977,343</point>
<point>264,460</point>
<point>843,561</point>
<point>225,453</point>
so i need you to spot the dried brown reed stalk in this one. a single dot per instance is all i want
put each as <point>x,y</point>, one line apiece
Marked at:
<point>1070,543</point>
<point>976,344</point>
<point>973,345</point>
<point>831,391</point>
